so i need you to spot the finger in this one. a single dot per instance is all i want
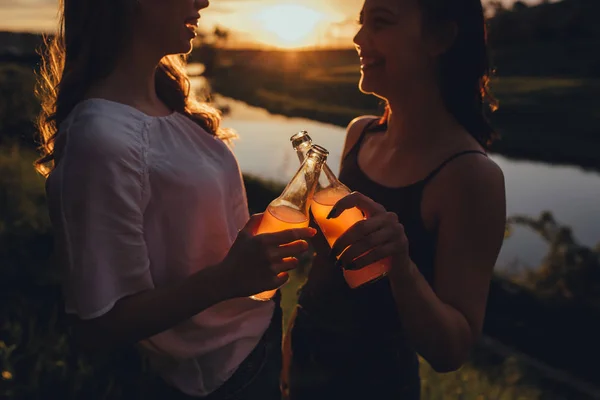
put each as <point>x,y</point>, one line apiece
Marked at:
<point>288,236</point>
<point>375,255</point>
<point>358,200</point>
<point>367,243</point>
<point>288,250</point>
<point>355,233</point>
<point>281,279</point>
<point>252,225</point>
<point>285,265</point>
<point>364,228</point>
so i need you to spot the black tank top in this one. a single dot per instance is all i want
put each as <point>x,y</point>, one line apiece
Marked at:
<point>370,310</point>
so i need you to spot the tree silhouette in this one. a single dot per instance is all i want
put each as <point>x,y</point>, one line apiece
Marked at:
<point>569,270</point>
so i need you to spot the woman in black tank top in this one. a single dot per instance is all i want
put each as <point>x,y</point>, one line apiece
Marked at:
<point>436,206</point>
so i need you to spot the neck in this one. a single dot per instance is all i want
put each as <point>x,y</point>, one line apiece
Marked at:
<point>418,118</point>
<point>132,81</point>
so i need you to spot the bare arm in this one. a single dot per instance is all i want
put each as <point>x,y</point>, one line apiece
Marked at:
<point>145,314</point>
<point>445,321</point>
<point>254,264</point>
<point>442,322</point>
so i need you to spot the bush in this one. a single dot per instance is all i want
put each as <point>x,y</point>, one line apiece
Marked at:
<point>18,106</point>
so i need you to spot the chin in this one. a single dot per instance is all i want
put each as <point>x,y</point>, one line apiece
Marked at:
<point>181,48</point>
<point>369,85</point>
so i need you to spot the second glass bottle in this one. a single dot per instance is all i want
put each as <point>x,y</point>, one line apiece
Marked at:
<point>329,190</point>
<point>290,210</point>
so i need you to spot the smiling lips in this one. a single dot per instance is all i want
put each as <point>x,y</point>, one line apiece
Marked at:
<point>192,23</point>
<point>368,62</point>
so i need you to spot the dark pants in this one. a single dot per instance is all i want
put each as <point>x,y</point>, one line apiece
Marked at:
<point>326,365</point>
<point>256,378</point>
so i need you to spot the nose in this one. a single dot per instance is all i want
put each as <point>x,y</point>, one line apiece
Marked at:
<point>201,4</point>
<point>359,39</point>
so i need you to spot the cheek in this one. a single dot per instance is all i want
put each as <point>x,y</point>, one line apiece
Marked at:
<point>403,52</point>
<point>167,30</point>
<point>160,16</point>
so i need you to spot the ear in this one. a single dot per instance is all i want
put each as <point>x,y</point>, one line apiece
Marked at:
<point>442,38</point>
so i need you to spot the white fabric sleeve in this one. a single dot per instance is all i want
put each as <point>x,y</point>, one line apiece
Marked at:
<point>102,183</point>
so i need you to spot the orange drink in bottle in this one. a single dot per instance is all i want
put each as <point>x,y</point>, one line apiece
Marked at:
<point>290,210</point>
<point>333,228</point>
<point>275,219</point>
<point>328,191</point>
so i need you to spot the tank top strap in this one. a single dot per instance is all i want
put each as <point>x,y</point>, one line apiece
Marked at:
<point>361,138</point>
<point>433,173</point>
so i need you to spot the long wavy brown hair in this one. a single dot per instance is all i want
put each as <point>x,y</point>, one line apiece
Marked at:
<point>84,51</point>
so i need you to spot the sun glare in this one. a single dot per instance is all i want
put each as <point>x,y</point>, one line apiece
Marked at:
<point>289,25</point>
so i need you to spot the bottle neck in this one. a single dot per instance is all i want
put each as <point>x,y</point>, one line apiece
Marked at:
<point>300,190</point>
<point>302,150</point>
<point>327,178</point>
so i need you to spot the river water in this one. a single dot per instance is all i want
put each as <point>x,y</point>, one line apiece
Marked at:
<point>570,193</point>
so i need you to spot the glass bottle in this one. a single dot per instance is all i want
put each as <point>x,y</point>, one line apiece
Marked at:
<point>290,210</point>
<point>302,142</point>
<point>328,191</point>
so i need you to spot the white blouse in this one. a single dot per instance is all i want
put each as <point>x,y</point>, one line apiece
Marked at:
<point>141,202</point>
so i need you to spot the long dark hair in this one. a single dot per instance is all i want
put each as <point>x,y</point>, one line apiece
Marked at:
<point>464,70</point>
<point>85,50</point>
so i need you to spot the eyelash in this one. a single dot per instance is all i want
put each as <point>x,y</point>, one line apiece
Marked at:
<point>375,22</point>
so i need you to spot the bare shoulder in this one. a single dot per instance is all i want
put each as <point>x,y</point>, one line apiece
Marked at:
<point>354,129</point>
<point>478,170</point>
<point>472,178</point>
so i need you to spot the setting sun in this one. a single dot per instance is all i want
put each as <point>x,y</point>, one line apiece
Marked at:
<point>289,25</point>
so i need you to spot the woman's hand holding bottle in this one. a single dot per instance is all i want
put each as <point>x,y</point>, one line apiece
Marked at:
<point>256,263</point>
<point>376,238</point>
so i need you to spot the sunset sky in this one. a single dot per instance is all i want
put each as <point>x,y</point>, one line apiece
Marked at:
<point>287,23</point>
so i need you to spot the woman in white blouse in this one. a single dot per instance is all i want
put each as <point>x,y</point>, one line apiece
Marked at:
<point>147,201</point>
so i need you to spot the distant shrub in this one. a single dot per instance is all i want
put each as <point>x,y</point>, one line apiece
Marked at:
<point>18,105</point>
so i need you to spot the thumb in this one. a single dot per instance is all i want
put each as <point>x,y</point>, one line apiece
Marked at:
<point>252,224</point>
